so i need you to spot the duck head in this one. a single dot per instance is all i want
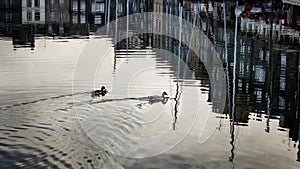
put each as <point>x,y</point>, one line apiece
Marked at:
<point>103,89</point>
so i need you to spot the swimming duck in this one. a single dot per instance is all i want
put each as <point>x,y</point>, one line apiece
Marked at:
<point>163,98</point>
<point>98,93</point>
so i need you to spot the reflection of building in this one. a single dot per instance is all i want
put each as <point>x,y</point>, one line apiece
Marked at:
<point>57,16</point>
<point>157,23</point>
<point>285,80</point>
<point>33,13</point>
<point>285,90</point>
<point>98,12</point>
<point>79,17</point>
<point>10,15</point>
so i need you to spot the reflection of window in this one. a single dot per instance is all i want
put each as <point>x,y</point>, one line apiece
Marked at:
<point>29,16</point>
<point>8,3</point>
<point>281,102</point>
<point>52,3</point>
<point>97,19</point>
<point>282,83</point>
<point>75,5</point>
<point>61,3</point>
<point>100,7</point>
<point>50,28</point>
<point>120,8</point>
<point>75,19</point>
<point>8,17</point>
<point>62,15</point>
<point>283,59</point>
<point>37,15</point>
<point>37,3</point>
<point>259,74</point>
<point>52,15</point>
<point>241,71</point>
<point>82,18</point>
<point>259,95</point>
<point>82,6</point>
<point>29,3</point>
<point>261,54</point>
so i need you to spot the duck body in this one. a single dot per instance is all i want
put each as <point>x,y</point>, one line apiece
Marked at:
<point>163,98</point>
<point>98,93</point>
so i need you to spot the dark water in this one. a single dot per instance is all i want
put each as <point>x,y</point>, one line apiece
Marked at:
<point>44,123</point>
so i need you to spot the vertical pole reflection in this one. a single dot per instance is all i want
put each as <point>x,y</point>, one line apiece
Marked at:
<point>232,127</point>
<point>127,25</point>
<point>177,95</point>
<point>268,116</point>
<point>180,30</point>
<point>108,16</point>
<point>116,29</point>
<point>226,56</point>
<point>116,35</point>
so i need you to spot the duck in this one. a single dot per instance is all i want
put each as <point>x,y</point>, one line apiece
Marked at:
<point>101,92</point>
<point>163,98</point>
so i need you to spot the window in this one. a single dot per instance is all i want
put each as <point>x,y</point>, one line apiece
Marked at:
<point>8,17</point>
<point>98,19</point>
<point>100,7</point>
<point>82,6</point>
<point>8,3</point>
<point>62,15</point>
<point>29,3</point>
<point>37,15</point>
<point>51,3</point>
<point>29,16</point>
<point>282,83</point>
<point>283,59</point>
<point>281,102</point>
<point>36,3</point>
<point>75,5</point>
<point>61,3</point>
<point>75,19</point>
<point>50,28</point>
<point>259,74</point>
<point>120,8</point>
<point>52,16</point>
<point>82,18</point>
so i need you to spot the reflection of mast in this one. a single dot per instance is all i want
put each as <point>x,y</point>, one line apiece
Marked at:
<point>127,26</point>
<point>180,29</point>
<point>116,35</point>
<point>268,116</point>
<point>270,85</point>
<point>178,71</point>
<point>108,15</point>
<point>177,96</point>
<point>231,158</point>
<point>226,56</point>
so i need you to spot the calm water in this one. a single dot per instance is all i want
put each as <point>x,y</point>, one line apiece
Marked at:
<point>49,119</point>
